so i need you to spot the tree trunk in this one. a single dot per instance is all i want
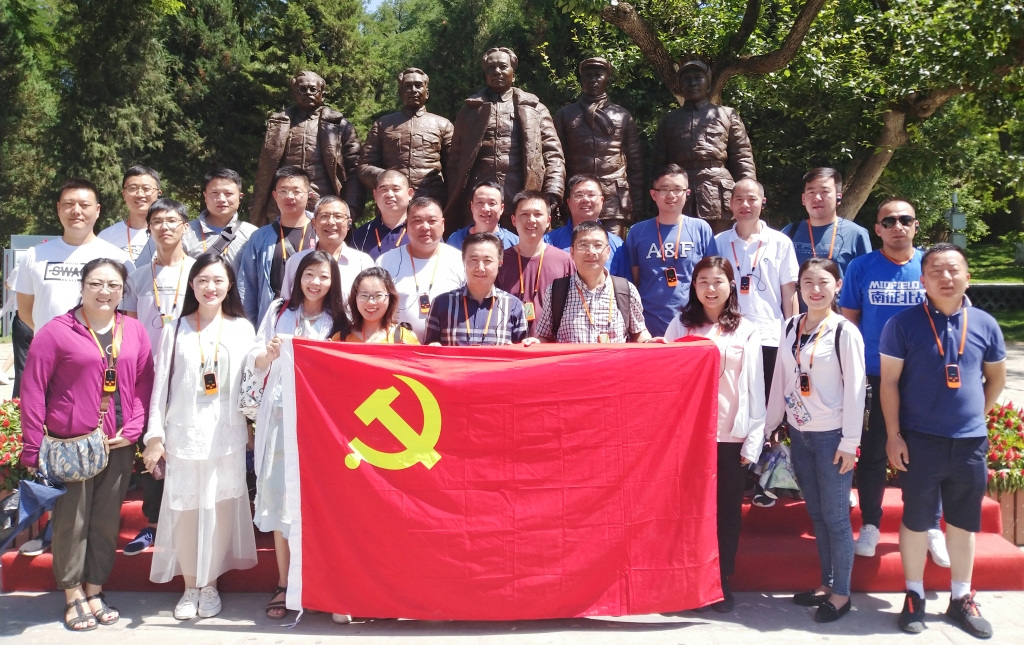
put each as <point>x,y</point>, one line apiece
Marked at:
<point>625,17</point>
<point>870,163</point>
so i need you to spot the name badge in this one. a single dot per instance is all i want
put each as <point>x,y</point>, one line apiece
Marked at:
<point>529,311</point>
<point>603,337</point>
<point>166,320</point>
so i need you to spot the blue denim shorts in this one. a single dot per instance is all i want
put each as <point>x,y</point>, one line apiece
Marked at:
<point>953,470</point>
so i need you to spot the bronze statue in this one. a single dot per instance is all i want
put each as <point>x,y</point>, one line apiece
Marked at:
<point>709,142</point>
<point>317,139</point>
<point>600,138</point>
<point>505,135</point>
<point>412,141</point>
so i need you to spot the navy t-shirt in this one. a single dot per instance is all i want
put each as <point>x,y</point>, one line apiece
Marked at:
<point>643,247</point>
<point>852,240</point>
<point>880,289</point>
<point>927,403</point>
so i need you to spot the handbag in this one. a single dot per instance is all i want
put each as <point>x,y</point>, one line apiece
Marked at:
<point>77,459</point>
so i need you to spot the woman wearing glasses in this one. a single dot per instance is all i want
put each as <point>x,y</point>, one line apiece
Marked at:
<point>374,306</point>
<point>88,365</point>
<point>313,310</point>
<point>197,428</point>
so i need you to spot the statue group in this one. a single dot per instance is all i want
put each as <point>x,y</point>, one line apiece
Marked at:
<point>506,135</point>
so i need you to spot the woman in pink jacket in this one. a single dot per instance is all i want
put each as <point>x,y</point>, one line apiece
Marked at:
<point>62,390</point>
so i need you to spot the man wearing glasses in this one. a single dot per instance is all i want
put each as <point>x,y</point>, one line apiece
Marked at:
<point>663,251</point>
<point>261,270</point>
<point>218,229</point>
<point>140,187</point>
<point>877,286</point>
<point>331,223</point>
<point>586,203</point>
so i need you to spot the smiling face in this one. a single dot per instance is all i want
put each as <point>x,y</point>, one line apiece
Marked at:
<point>819,200</point>
<point>945,276</point>
<point>746,201</point>
<point>531,219</point>
<point>102,289</point>
<point>498,72</point>
<point>818,288</point>
<point>413,91</point>
<point>290,194</point>
<point>211,285</point>
<point>222,197</point>
<point>393,195</point>
<point>899,237</point>
<point>482,261</point>
<point>713,288</point>
<point>372,299</point>
<point>585,201</point>
<point>590,251</point>
<point>331,223</point>
<point>139,192</point>
<point>316,282</point>
<point>425,226</point>
<point>78,209</point>
<point>166,228</point>
<point>594,80</point>
<point>486,208</point>
<point>669,193</point>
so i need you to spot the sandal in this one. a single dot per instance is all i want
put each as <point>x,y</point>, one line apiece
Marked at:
<point>82,617</point>
<point>105,610</point>
<point>275,606</point>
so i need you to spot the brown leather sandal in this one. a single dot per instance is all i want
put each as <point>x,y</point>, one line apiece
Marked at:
<point>277,605</point>
<point>82,617</point>
<point>105,610</point>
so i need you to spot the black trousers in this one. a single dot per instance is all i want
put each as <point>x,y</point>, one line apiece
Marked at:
<point>732,479</point>
<point>768,355</point>
<point>152,493</point>
<point>21,338</point>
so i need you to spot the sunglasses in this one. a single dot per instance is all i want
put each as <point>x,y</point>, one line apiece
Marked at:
<point>906,220</point>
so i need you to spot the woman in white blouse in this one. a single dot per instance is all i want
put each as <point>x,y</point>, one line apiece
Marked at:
<point>713,311</point>
<point>819,388</point>
<point>315,309</point>
<point>195,424</point>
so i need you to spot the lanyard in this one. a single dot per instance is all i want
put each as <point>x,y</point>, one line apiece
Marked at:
<point>675,251</point>
<point>376,231</point>
<point>416,282</point>
<point>963,333</point>
<point>800,334</point>
<point>753,267</point>
<point>536,283</point>
<point>280,229</point>
<point>611,301</point>
<point>831,246</point>
<point>129,234</point>
<point>216,348</point>
<point>487,325</point>
<point>156,291</point>
<point>115,348</point>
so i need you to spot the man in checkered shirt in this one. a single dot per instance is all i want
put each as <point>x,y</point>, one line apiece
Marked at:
<point>478,313</point>
<point>591,313</point>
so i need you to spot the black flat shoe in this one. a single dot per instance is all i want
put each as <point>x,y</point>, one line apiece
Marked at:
<point>727,603</point>
<point>827,612</point>
<point>810,598</point>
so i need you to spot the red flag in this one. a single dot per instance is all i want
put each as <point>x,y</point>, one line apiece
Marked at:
<point>504,483</point>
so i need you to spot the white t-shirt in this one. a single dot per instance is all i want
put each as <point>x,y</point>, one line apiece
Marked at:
<point>775,266</point>
<point>440,274</point>
<point>349,266</point>
<point>171,284</point>
<point>52,273</point>
<point>142,247</point>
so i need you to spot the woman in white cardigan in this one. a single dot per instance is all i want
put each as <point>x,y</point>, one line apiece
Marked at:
<point>315,309</point>
<point>713,311</point>
<point>195,424</point>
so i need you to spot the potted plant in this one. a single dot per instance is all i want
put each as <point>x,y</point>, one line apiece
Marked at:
<point>1006,467</point>
<point>11,470</point>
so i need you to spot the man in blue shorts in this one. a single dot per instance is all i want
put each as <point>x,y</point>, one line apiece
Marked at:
<point>943,366</point>
<point>663,251</point>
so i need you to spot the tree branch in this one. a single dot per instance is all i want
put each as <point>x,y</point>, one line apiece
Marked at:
<point>739,39</point>
<point>625,17</point>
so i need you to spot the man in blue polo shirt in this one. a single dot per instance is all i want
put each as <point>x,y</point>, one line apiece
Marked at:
<point>663,251</point>
<point>878,286</point>
<point>487,205</point>
<point>386,230</point>
<point>943,365</point>
<point>585,200</point>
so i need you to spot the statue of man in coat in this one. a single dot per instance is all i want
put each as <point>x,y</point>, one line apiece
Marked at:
<point>600,139</point>
<point>708,141</point>
<point>317,139</point>
<point>505,135</point>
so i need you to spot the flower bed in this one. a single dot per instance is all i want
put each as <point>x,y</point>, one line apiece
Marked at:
<point>11,470</point>
<point>1006,467</point>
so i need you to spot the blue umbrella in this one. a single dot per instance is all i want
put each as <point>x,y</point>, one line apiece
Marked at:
<point>34,499</point>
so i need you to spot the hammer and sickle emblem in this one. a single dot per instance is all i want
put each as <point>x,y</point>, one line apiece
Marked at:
<point>419,447</point>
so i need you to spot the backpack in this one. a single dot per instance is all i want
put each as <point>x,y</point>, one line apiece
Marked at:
<point>560,293</point>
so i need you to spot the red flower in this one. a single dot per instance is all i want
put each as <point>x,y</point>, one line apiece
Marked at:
<point>6,423</point>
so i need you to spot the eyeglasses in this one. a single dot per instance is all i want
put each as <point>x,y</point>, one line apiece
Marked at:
<point>583,247</point>
<point>307,89</point>
<point>97,285</point>
<point>166,223</point>
<point>338,217</point>
<point>582,196</point>
<point>291,193</point>
<point>906,220</point>
<point>372,297</point>
<point>140,190</point>
<point>675,192</point>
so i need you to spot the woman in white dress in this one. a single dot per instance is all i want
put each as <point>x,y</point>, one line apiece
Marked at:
<point>315,310</point>
<point>713,311</point>
<point>195,424</point>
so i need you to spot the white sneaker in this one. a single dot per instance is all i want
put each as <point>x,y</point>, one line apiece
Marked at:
<point>209,602</point>
<point>341,619</point>
<point>188,606</point>
<point>867,541</point>
<point>937,547</point>
<point>853,499</point>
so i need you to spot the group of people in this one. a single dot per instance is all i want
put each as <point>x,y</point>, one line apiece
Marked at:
<point>189,316</point>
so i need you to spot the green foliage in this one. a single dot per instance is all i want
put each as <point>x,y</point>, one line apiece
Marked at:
<point>11,470</point>
<point>1006,449</point>
<point>1011,322</point>
<point>993,263</point>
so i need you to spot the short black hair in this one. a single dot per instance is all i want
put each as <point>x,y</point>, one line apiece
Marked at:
<point>423,202</point>
<point>167,205</point>
<point>224,173</point>
<point>490,183</point>
<point>286,172</point>
<point>78,183</point>
<point>92,265</point>
<point>588,227</point>
<point>893,200</point>
<point>824,173</point>
<point>483,238</point>
<point>529,195</point>
<point>139,171</point>
<point>670,169</point>
<point>943,247</point>
<point>576,180</point>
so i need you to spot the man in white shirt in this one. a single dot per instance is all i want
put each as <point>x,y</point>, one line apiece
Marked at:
<point>49,276</point>
<point>140,187</point>
<point>218,228</point>
<point>765,269</point>
<point>331,222</point>
<point>154,294</point>
<point>426,267</point>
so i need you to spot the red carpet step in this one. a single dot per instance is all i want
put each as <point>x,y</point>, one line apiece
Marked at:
<point>777,553</point>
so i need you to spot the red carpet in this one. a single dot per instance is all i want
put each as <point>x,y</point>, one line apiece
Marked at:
<point>777,553</point>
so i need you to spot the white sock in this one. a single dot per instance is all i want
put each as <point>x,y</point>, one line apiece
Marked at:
<point>916,587</point>
<point>960,589</point>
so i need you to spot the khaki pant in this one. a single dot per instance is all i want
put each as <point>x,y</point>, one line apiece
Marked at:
<point>86,521</point>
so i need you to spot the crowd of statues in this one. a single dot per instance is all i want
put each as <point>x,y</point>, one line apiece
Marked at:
<point>506,135</point>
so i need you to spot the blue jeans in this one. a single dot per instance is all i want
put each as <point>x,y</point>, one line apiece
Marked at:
<point>827,496</point>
